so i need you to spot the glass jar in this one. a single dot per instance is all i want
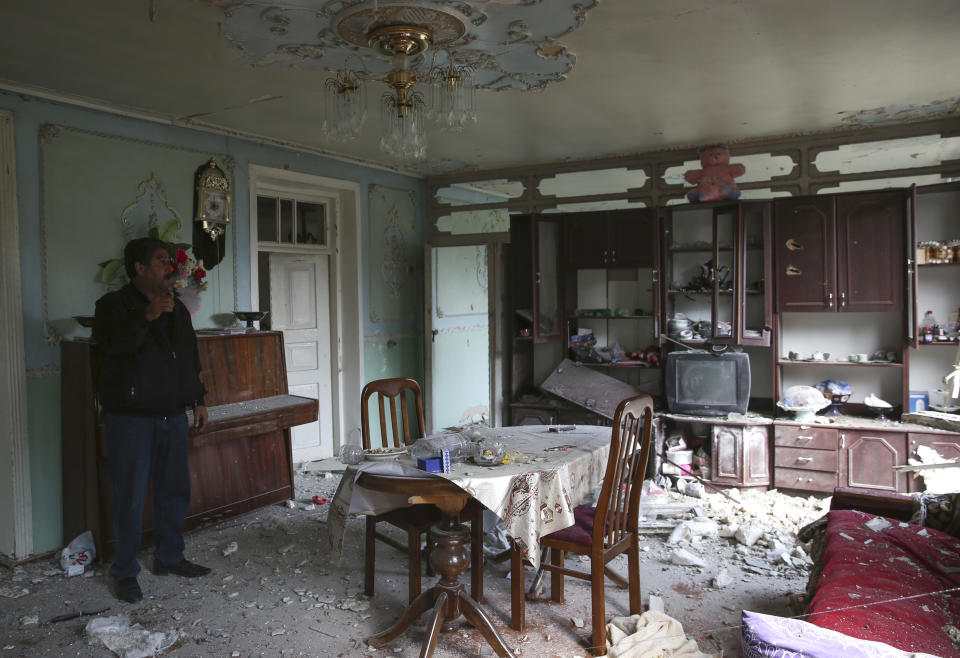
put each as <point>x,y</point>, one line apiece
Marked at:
<point>954,246</point>
<point>488,453</point>
<point>931,250</point>
<point>351,454</point>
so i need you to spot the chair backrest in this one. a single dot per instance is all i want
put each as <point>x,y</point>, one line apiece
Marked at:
<point>619,501</point>
<point>398,391</point>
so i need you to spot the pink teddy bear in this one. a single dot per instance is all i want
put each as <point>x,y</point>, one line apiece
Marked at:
<point>715,180</point>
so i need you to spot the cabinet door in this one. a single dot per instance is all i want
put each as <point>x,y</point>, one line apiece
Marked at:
<point>546,283</point>
<point>755,257</point>
<point>756,456</point>
<point>867,460</point>
<point>726,287</point>
<point>870,264</point>
<point>946,445</point>
<point>631,240</point>
<point>725,458</point>
<point>585,238</point>
<point>804,254</point>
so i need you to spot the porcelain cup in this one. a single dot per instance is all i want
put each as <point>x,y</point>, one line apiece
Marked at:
<point>858,358</point>
<point>795,356</point>
<point>820,356</point>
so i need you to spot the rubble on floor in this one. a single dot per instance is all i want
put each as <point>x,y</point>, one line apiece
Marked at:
<point>274,593</point>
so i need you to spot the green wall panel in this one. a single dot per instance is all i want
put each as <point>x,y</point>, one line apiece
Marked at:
<point>43,406</point>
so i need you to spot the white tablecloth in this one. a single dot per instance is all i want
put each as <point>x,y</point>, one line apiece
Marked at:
<point>533,498</point>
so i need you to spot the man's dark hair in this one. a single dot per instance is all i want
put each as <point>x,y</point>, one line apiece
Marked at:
<point>141,251</point>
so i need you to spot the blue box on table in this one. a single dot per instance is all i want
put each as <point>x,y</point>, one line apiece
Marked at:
<point>430,464</point>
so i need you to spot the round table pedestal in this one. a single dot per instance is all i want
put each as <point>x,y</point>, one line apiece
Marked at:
<point>450,557</point>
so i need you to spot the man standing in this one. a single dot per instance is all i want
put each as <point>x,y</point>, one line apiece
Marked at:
<point>146,374</point>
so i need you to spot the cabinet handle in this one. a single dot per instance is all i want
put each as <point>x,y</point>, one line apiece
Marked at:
<point>829,300</point>
<point>536,278</point>
<point>843,299</point>
<point>604,256</point>
<point>843,441</point>
<point>804,438</point>
<point>613,256</point>
<point>804,460</point>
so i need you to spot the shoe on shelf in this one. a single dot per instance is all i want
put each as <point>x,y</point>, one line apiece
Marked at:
<point>185,568</point>
<point>128,590</point>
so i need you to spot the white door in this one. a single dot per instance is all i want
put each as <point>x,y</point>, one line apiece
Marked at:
<point>458,341</point>
<point>300,308</point>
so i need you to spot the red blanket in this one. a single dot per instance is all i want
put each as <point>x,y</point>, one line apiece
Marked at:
<point>890,585</point>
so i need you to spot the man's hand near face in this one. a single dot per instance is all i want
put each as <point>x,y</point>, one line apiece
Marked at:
<point>159,304</point>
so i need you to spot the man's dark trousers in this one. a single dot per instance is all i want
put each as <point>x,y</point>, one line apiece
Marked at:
<point>141,450</point>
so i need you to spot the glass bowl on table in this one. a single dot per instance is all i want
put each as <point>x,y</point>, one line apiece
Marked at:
<point>489,453</point>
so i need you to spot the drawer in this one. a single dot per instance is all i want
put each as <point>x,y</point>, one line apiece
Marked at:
<point>804,436</point>
<point>795,478</point>
<point>813,460</point>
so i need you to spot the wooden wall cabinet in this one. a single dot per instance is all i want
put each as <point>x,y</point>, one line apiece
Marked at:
<point>840,252</point>
<point>534,267</point>
<point>717,263</point>
<point>617,238</point>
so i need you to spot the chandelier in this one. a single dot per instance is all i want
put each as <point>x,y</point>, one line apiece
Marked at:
<point>402,32</point>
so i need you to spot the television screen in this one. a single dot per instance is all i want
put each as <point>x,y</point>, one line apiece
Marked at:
<point>707,384</point>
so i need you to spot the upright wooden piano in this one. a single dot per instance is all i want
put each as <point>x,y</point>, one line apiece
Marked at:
<point>241,461</point>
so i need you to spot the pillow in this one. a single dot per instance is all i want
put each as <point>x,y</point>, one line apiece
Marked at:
<point>767,636</point>
<point>938,511</point>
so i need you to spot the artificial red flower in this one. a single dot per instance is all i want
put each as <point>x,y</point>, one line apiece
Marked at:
<point>199,273</point>
<point>181,257</point>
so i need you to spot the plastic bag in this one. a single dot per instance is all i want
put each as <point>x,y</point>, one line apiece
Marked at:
<point>78,554</point>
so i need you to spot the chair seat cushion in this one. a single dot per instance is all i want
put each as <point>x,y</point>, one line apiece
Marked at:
<point>581,532</point>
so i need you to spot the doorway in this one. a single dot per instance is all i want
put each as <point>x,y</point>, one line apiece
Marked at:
<point>305,255</point>
<point>463,369</point>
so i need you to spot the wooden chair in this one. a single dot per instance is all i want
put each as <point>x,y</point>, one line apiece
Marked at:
<point>619,507</point>
<point>417,519</point>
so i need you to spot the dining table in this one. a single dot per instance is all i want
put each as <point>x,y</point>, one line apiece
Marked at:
<point>551,470</point>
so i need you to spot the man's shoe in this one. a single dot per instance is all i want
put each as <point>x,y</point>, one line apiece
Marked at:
<point>185,568</point>
<point>128,590</point>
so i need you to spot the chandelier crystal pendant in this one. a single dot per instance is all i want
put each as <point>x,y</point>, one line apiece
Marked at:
<point>401,31</point>
<point>345,106</point>
<point>452,105</point>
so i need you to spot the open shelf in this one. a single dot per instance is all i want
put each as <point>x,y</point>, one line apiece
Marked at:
<point>845,364</point>
<point>610,317</point>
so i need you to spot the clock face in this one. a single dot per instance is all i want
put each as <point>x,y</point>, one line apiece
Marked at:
<point>215,206</point>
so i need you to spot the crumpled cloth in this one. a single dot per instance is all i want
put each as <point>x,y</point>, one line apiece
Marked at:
<point>650,635</point>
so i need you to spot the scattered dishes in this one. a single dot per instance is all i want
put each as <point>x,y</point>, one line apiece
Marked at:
<point>383,454</point>
<point>947,410</point>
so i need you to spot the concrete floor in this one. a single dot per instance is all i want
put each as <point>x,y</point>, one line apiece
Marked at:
<point>278,594</point>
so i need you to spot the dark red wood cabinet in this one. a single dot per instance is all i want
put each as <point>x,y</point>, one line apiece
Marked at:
<point>840,252</point>
<point>616,238</point>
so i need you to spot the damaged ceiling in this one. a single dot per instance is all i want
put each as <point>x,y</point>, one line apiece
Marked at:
<point>637,75</point>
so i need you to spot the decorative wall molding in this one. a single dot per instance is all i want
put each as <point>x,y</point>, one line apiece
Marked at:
<point>509,44</point>
<point>393,248</point>
<point>14,438</point>
<point>44,371</point>
<point>47,134</point>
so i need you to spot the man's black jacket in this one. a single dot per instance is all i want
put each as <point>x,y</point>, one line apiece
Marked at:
<point>140,367</point>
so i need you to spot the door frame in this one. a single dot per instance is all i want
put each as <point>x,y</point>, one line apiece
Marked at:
<point>16,521</point>
<point>495,308</point>
<point>346,293</point>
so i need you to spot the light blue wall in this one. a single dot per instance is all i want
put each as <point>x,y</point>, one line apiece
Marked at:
<point>43,359</point>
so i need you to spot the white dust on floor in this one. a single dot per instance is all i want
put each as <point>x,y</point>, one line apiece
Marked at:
<point>274,592</point>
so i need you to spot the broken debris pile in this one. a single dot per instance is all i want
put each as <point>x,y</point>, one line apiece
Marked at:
<point>761,526</point>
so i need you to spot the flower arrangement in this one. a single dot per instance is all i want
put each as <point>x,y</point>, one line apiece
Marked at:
<point>189,279</point>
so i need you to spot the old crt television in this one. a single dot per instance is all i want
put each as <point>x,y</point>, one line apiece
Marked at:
<point>706,383</point>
